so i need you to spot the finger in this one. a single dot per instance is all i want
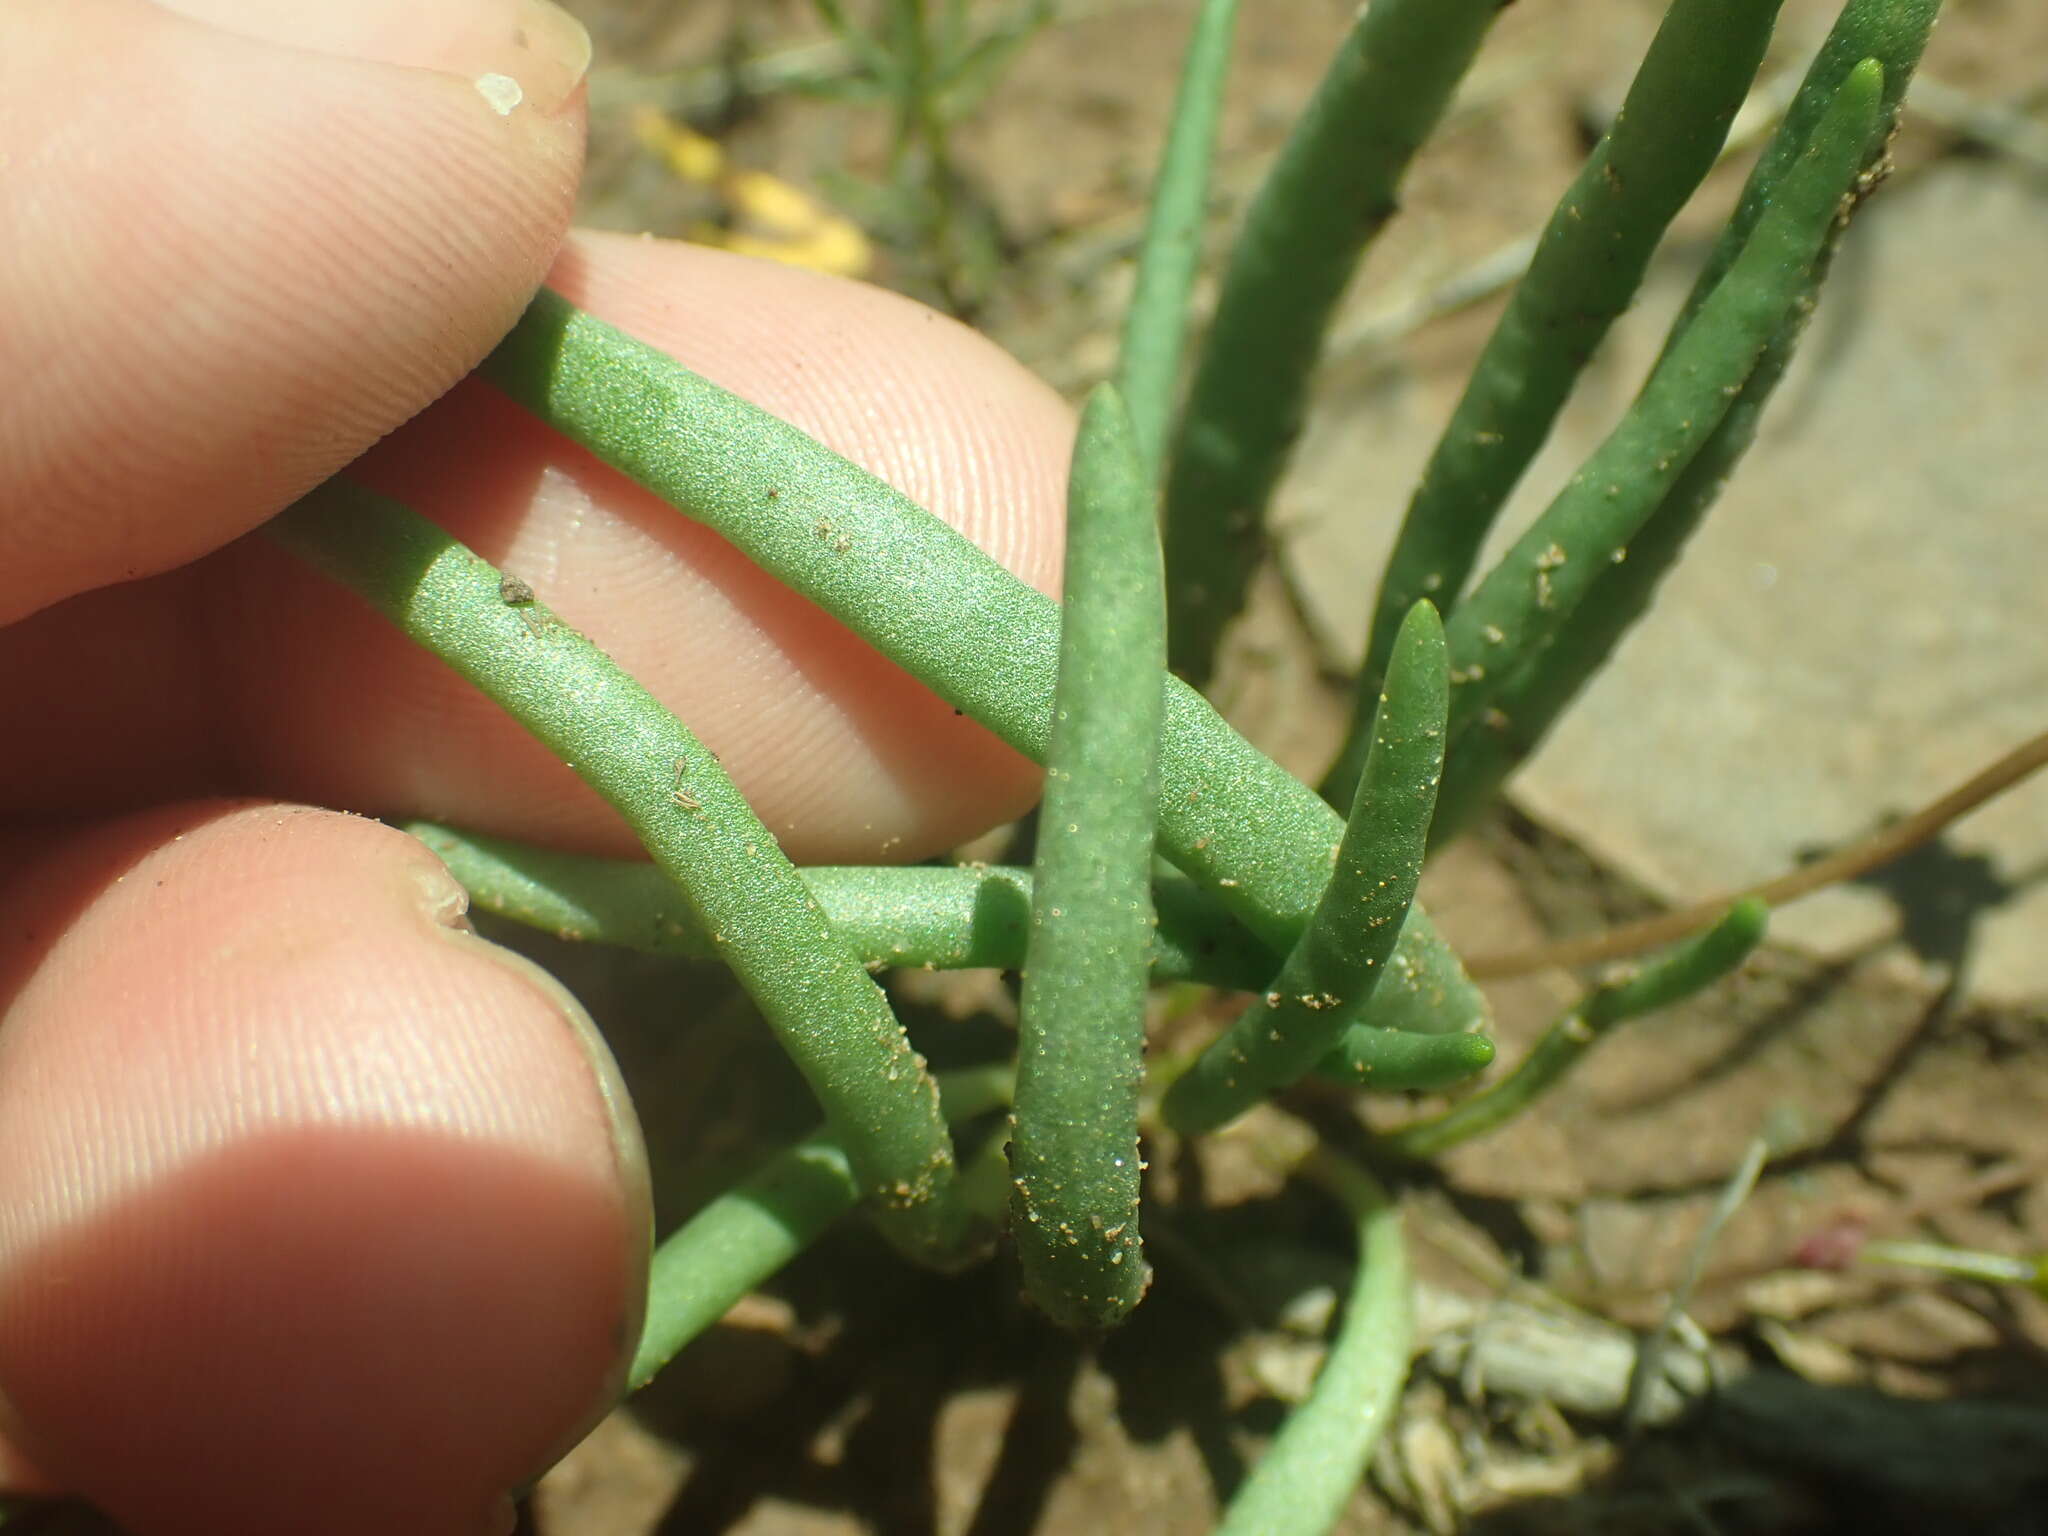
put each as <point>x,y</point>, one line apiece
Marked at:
<point>253,673</point>
<point>316,1212</point>
<point>245,242</point>
<point>846,758</point>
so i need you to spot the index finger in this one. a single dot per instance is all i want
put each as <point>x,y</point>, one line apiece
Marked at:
<point>241,249</point>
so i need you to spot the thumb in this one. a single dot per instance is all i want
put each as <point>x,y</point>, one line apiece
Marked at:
<point>318,1214</point>
<point>246,241</point>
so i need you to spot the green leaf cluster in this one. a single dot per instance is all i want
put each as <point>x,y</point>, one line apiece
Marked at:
<point>1273,893</point>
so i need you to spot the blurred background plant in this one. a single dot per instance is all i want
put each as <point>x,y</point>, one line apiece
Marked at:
<point>919,67</point>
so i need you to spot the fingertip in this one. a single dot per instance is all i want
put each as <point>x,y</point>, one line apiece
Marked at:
<point>232,265</point>
<point>272,1121</point>
<point>542,50</point>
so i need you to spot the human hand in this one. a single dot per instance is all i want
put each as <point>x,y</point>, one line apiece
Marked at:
<point>316,1212</point>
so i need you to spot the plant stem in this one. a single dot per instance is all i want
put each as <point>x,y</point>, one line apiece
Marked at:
<point>745,1235</point>
<point>1585,271</point>
<point>1081,1032</point>
<point>915,918</point>
<point>1691,969</point>
<point>862,48</point>
<point>825,1009</point>
<point>942,610</point>
<point>1646,1375</point>
<point>1300,1486</point>
<point>1330,974</point>
<point>1858,859</point>
<point>1401,1061</point>
<point>1328,194</point>
<point>1962,1263</point>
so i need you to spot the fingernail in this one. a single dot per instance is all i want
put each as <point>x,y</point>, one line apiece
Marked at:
<point>629,1153</point>
<point>521,54</point>
<point>443,902</point>
<point>543,50</point>
<point>629,1149</point>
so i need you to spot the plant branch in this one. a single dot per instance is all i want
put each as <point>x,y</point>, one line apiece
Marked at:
<point>1850,863</point>
<point>1676,977</point>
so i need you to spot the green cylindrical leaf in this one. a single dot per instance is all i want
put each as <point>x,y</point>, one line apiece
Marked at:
<point>1690,969</point>
<point>1894,32</point>
<point>1332,972</point>
<point>1525,600</point>
<point>1399,1061</point>
<point>941,609</point>
<point>1585,271</point>
<point>1327,195</point>
<point>1148,364</point>
<point>1300,1486</point>
<point>825,1009</point>
<point>1893,35</point>
<point>1081,1029</point>
<point>738,1240</point>
<point>1973,1264</point>
<point>1425,989</point>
